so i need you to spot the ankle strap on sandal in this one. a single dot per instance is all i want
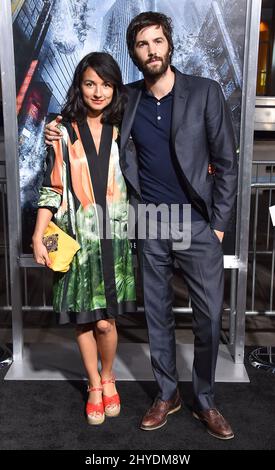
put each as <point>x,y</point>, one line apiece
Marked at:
<point>94,389</point>
<point>109,381</point>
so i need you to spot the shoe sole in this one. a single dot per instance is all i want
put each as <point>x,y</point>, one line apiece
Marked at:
<point>110,415</point>
<point>144,428</point>
<point>222,438</point>
<point>95,423</point>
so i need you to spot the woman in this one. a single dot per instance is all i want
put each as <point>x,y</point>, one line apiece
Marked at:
<point>84,188</point>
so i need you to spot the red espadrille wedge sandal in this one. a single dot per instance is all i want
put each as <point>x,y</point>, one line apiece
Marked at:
<point>112,403</point>
<point>95,411</point>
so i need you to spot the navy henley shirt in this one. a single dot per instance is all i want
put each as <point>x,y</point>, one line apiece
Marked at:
<point>159,170</point>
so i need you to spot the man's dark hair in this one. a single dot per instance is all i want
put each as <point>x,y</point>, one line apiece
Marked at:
<point>143,20</point>
<point>107,68</point>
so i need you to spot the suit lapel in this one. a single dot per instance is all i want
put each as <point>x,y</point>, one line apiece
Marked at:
<point>128,156</point>
<point>179,103</point>
<point>130,112</point>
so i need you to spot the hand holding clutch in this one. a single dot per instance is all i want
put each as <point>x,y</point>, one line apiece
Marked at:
<point>61,247</point>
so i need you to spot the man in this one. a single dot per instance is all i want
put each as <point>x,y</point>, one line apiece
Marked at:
<point>174,126</point>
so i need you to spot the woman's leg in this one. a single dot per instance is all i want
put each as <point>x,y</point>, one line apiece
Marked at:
<point>88,348</point>
<point>106,337</point>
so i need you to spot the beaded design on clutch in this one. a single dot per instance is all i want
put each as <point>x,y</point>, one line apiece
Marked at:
<point>51,242</point>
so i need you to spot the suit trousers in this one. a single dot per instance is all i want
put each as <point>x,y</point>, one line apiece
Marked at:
<point>201,267</point>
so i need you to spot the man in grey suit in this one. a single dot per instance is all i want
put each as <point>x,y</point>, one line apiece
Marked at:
<point>174,129</point>
<point>179,125</point>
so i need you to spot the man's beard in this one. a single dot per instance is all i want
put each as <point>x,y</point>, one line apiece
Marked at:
<point>155,72</point>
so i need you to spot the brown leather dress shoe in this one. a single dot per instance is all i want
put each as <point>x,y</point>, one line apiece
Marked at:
<point>156,416</point>
<point>215,423</point>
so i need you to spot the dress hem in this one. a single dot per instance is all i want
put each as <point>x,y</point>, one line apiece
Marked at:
<point>79,318</point>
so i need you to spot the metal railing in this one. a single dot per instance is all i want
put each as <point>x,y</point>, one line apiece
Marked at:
<point>261,255</point>
<point>36,282</point>
<point>5,294</point>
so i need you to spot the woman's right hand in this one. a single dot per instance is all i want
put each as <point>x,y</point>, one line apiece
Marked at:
<point>40,253</point>
<point>52,132</point>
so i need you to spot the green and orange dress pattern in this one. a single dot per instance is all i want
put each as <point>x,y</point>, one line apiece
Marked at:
<point>88,196</point>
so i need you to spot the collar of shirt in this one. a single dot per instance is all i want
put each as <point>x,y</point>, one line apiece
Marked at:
<point>149,93</point>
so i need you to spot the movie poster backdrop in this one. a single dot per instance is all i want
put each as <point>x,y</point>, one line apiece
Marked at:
<point>51,36</point>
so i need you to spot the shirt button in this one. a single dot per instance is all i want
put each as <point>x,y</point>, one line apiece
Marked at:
<point>159,118</point>
<point>158,103</point>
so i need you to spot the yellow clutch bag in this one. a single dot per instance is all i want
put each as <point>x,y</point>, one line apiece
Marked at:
<point>60,246</point>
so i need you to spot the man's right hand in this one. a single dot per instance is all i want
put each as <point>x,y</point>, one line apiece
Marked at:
<point>52,132</point>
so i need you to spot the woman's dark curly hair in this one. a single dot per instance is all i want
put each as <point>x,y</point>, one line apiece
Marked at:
<point>108,70</point>
<point>143,20</point>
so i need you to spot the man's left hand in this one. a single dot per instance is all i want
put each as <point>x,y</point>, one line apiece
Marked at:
<point>219,235</point>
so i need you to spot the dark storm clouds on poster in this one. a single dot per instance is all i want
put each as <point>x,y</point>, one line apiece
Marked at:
<point>51,37</point>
